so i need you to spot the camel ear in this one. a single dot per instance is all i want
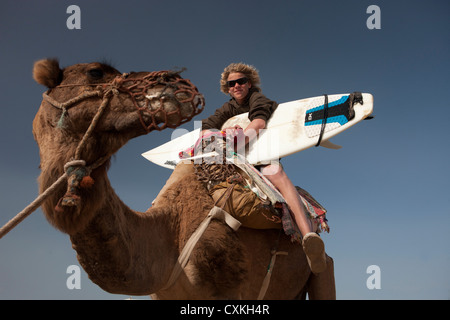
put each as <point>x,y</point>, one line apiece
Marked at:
<point>47,72</point>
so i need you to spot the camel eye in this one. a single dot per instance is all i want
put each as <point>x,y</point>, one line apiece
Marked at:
<point>95,74</point>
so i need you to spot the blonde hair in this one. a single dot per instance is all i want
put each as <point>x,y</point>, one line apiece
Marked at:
<point>249,71</point>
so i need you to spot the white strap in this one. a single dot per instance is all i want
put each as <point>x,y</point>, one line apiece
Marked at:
<point>183,259</point>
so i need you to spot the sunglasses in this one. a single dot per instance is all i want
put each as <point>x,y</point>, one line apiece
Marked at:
<point>240,81</point>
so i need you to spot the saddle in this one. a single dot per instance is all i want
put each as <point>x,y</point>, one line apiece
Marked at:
<point>241,190</point>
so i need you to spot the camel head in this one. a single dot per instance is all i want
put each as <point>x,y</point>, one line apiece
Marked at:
<point>89,112</point>
<point>132,104</point>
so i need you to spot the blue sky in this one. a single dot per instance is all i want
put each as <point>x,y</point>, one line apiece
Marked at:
<point>386,190</point>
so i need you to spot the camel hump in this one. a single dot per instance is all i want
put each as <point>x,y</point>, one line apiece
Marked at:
<point>47,72</point>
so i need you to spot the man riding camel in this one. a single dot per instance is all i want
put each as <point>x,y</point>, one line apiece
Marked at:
<point>241,82</point>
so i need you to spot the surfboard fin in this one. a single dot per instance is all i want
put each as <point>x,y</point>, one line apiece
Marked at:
<point>328,144</point>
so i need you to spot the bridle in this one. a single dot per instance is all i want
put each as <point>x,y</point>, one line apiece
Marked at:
<point>137,88</point>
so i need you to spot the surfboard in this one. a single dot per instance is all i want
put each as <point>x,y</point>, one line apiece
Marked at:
<point>293,127</point>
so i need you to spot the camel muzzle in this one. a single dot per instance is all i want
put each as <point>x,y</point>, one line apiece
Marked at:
<point>163,99</point>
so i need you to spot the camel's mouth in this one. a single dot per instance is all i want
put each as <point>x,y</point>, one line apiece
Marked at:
<point>164,100</point>
<point>169,108</point>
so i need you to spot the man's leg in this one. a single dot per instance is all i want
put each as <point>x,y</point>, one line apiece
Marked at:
<point>312,243</point>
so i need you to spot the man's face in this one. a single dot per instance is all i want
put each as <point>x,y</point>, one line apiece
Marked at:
<point>238,91</point>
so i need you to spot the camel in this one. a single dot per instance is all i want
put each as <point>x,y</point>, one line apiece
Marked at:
<point>134,253</point>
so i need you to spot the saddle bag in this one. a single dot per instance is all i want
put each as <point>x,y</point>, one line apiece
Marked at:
<point>245,205</point>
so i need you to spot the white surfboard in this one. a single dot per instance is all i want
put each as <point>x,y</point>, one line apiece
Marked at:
<point>293,127</point>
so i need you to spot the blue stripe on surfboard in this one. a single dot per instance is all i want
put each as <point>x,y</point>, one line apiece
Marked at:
<point>340,119</point>
<point>331,104</point>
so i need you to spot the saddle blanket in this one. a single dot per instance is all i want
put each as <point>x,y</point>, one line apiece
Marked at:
<point>264,188</point>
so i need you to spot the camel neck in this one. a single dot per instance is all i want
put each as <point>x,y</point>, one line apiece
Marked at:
<point>119,248</point>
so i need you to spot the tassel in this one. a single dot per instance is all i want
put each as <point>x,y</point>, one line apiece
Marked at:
<point>78,179</point>
<point>86,182</point>
<point>61,120</point>
<point>323,224</point>
<point>70,200</point>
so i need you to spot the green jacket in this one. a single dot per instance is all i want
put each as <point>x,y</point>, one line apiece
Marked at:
<point>256,104</point>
